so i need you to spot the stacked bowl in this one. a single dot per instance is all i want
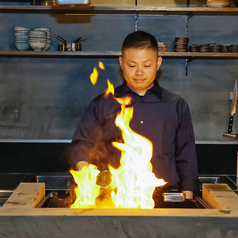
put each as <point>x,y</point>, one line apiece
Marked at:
<point>21,38</point>
<point>48,31</point>
<point>37,39</point>
<point>181,44</point>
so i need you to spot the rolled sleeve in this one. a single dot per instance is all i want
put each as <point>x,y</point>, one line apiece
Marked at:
<point>87,132</point>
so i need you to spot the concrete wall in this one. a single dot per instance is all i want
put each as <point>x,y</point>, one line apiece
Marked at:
<point>45,98</point>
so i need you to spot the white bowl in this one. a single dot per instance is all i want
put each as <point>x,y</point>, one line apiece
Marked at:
<point>21,45</point>
<point>37,46</point>
<point>48,45</point>
<point>20,28</point>
<point>42,29</point>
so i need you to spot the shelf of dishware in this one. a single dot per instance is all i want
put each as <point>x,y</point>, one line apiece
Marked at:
<point>113,54</point>
<point>146,10</point>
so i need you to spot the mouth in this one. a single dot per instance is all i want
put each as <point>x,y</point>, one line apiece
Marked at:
<point>139,80</point>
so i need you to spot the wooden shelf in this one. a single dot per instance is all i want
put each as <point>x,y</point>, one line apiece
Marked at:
<point>146,10</point>
<point>112,54</point>
<point>199,55</point>
<point>59,54</point>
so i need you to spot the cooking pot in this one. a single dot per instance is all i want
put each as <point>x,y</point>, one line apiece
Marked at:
<point>74,46</point>
<point>70,47</point>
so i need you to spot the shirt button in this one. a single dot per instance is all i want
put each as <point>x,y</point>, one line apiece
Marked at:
<point>141,122</point>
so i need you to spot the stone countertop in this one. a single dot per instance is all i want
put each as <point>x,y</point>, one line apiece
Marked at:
<point>20,218</point>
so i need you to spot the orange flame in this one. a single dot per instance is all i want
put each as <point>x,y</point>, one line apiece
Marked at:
<point>94,76</point>
<point>87,189</point>
<point>133,183</point>
<point>100,65</point>
<point>134,179</point>
<point>110,88</point>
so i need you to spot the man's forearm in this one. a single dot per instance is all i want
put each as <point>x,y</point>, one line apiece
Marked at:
<point>79,151</point>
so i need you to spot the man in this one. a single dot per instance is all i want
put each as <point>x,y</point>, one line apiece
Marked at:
<point>159,115</point>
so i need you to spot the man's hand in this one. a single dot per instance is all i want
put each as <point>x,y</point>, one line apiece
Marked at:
<point>188,194</point>
<point>81,164</point>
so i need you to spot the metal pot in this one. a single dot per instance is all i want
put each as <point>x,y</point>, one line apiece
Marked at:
<point>70,47</point>
<point>74,46</point>
<point>61,47</point>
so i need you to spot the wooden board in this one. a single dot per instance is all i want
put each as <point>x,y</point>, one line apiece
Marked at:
<point>26,195</point>
<point>220,196</point>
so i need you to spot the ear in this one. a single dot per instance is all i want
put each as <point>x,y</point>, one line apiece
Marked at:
<point>159,62</point>
<point>120,60</point>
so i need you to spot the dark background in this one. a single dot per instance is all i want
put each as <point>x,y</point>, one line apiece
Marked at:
<point>53,158</point>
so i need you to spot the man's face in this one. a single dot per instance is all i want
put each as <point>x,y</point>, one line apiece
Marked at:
<point>140,68</point>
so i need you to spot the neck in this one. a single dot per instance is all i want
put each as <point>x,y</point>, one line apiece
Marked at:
<point>141,93</point>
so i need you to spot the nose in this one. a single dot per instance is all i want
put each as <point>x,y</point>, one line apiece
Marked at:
<point>139,70</point>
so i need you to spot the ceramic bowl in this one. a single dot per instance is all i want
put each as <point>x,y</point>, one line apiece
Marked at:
<point>37,40</point>
<point>37,46</point>
<point>22,45</point>
<point>48,45</point>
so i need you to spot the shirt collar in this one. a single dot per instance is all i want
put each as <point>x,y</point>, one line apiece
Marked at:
<point>124,89</point>
<point>156,88</point>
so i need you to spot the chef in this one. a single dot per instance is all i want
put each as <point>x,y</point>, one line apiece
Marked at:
<point>159,115</point>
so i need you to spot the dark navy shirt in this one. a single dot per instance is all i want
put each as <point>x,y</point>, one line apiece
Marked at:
<point>161,116</point>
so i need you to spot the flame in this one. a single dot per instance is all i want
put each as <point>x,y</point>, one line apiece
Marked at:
<point>94,76</point>
<point>87,189</point>
<point>133,183</point>
<point>110,88</point>
<point>134,178</point>
<point>100,65</point>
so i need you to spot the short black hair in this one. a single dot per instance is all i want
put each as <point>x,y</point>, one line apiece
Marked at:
<point>140,40</point>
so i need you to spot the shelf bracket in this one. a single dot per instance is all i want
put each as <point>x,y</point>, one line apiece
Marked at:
<point>136,21</point>
<point>189,16</point>
<point>186,67</point>
<point>190,59</point>
<point>136,17</point>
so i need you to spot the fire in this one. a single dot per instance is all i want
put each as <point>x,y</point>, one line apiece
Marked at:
<point>110,88</point>
<point>134,179</point>
<point>94,76</point>
<point>87,189</point>
<point>100,65</point>
<point>133,183</point>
